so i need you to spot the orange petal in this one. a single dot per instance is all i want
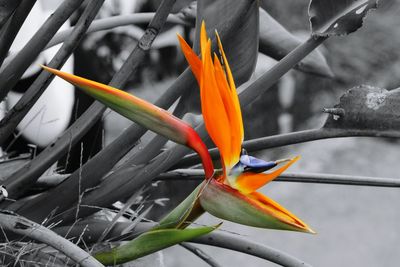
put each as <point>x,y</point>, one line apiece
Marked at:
<point>203,39</point>
<point>252,209</point>
<point>233,92</point>
<point>233,118</point>
<point>191,57</point>
<point>215,117</point>
<point>279,212</point>
<point>249,182</point>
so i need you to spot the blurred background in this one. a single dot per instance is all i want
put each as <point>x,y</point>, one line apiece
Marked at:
<point>357,226</point>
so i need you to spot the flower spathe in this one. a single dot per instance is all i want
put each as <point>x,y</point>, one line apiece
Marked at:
<point>232,195</point>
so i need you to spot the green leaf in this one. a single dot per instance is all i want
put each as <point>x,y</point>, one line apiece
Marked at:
<point>338,17</point>
<point>188,210</point>
<point>275,41</point>
<point>150,242</point>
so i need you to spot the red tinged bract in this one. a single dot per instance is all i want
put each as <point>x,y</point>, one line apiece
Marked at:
<point>143,113</point>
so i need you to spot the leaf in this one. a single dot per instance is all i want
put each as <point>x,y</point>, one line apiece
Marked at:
<point>7,7</point>
<point>186,13</point>
<point>237,24</point>
<point>7,167</point>
<point>182,4</point>
<point>338,17</point>
<point>275,41</point>
<point>187,211</point>
<point>150,242</point>
<point>240,43</point>
<point>366,108</point>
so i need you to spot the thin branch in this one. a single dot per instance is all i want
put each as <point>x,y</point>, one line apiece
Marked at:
<point>290,139</point>
<point>312,135</point>
<point>22,226</point>
<point>116,21</point>
<point>240,244</point>
<point>13,71</point>
<point>323,178</point>
<point>318,178</point>
<point>201,254</point>
<point>109,23</point>
<point>64,195</point>
<point>22,107</point>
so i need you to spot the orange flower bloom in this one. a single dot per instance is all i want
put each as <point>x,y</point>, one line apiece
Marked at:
<point>232,195</point>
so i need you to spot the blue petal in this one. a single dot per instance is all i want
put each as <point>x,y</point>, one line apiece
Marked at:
<point>255,164</point>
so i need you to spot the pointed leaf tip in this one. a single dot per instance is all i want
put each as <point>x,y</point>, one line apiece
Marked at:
<point>142,112</point>
<point>149,242</point>
<point>338,17</point>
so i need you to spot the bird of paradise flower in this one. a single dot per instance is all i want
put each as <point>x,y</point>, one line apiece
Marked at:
<point>229,193</point>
